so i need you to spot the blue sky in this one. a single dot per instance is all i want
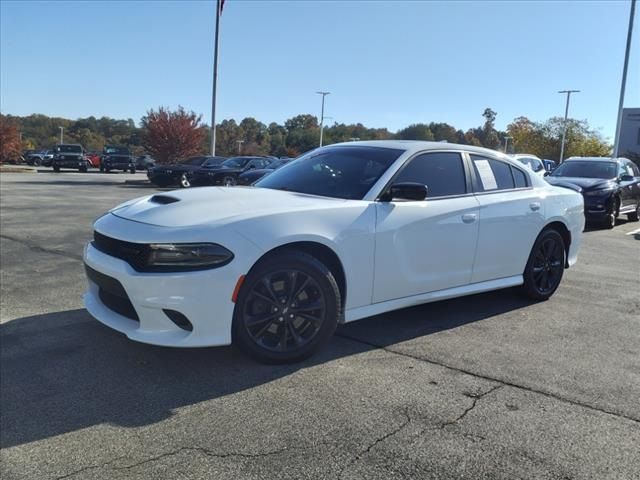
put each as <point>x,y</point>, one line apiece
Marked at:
<point>387,64</point>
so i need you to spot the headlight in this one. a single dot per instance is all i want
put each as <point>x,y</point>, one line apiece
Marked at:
<point>179,256</point>
<point>598,193</point>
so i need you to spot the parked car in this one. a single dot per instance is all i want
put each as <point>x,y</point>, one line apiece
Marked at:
<point>145,162</point>
<point>549,165</point>
<point>610,186</point>
<point>93,158</point>
<point>345,232</point>
<point>534,163</point>
<point>253,175</point>
<point>69,156</point>
<point>38,158</point>
<point>176,174</point>
<point>226,173</point>
<point>117,158</point>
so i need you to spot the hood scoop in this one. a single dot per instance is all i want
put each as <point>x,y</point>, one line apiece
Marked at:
<point>163,199</point>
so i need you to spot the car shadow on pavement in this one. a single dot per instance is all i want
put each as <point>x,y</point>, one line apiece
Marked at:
<point>63,371</point>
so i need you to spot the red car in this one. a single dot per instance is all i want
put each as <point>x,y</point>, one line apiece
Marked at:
<point>93,158</point>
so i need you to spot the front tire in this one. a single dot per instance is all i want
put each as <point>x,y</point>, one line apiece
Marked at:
<point>132,170</point>
<point>229,181</point>
<point>37,162</point>
<point>287,309</point>
<point>56,169</point>
<point>635,216</point>
<point>610,221</point>
<point>545,266</point>
<point>184,181</point>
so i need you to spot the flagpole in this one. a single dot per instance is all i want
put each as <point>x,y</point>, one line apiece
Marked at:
<point>215,81</point>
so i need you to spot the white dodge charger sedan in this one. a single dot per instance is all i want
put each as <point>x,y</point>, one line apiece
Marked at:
<point>342,233</point>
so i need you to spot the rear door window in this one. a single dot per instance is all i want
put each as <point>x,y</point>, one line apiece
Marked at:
<point>491,174</point>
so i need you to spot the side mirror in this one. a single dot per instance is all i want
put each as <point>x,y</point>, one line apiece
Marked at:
<point>626,178</point>
<point>405,191</point>
<point>547,173</point>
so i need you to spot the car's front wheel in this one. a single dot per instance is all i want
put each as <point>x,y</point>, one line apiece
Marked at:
<point>287,308</point>
<point>610,221</point>
<point>184,181</point>
<point>56,169</point>
<point>37,162</point>
<point>545,266</point>
<point>634,216</point>
<point>229,181</point>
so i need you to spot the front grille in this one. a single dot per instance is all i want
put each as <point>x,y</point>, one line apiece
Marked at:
<point>135,254</point>
<point>112,294</point>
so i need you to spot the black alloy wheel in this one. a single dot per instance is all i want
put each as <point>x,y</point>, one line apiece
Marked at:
<point>287,308</point>
<point>610,222</point>
<point>545,267</point>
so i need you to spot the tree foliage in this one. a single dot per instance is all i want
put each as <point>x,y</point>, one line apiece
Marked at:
<point>299,134</point>
<point>170,136</point>
<point>10,148</point>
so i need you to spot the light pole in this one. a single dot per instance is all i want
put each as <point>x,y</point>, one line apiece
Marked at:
<point>564,126</point>
<point>239,142</point>
<point>506,143</point>
<point>219,6</point>
<point>616,145</point>
<point>61,135</point>
<point>324,94</point>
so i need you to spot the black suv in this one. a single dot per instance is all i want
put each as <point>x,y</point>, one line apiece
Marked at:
<point>117,158</point>
<point>610,186</point>
<point>69,156</point>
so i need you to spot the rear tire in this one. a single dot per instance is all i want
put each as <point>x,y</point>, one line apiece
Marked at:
<point>56,169</point>
<point>287,309</point>
<point>83,169</point>
<point>184,181</point>
<point>37,162</point>
<point>132,170</point>
<point>545,266</point>
<point>229,181</point>
<point>101,169</point>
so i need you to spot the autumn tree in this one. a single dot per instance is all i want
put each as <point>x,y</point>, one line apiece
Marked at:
<point>170,136</point>
<point>10,148</point>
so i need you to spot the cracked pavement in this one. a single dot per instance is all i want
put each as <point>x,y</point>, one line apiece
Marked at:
<point>490,386</point>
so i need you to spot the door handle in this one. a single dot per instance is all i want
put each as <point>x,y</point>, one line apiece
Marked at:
<point>469,217</point>
<point>535,206</point>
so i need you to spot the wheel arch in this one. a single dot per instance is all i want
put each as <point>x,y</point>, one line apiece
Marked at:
<point>565,233</point>
<point>321,252</point>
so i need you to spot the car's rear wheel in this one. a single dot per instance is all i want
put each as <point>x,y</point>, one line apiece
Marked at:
<point>184,181</point>
<point>229,181</point>
<point>634,216</point>
<point>101,168</point>
<point>287,308</point>
<point>83,169</point>
<point>132,170</point>
<point>545,266</point>
<point>610,221</point>
<point>56,169</point>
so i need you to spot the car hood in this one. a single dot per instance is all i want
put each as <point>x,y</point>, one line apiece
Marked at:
<point>582,182</point>
<point>217,205</point>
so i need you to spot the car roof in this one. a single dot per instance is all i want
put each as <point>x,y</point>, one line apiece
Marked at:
<point>595,159</point>
<point>415,146</point>
<point>525,155</point>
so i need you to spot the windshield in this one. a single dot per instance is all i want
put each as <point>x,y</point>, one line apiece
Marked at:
<point>278,163</point>
<point>533,163</point>
<point>116,150</point>
<point>69,148</point>
<point>236,162</point>
<point>586,169</point>
<point>338,172</point>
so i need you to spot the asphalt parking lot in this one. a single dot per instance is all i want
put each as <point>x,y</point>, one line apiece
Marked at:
<point>490,386</point>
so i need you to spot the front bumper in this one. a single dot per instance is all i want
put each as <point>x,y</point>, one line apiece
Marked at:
<point>203,297</point>
<point>69,163</point>
<point>597,208</point>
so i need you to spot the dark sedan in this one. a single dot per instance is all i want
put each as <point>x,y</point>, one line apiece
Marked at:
<point>177,174</point>
<point>250,176</point>
<point>227,172</point>
<point>610,186</point>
